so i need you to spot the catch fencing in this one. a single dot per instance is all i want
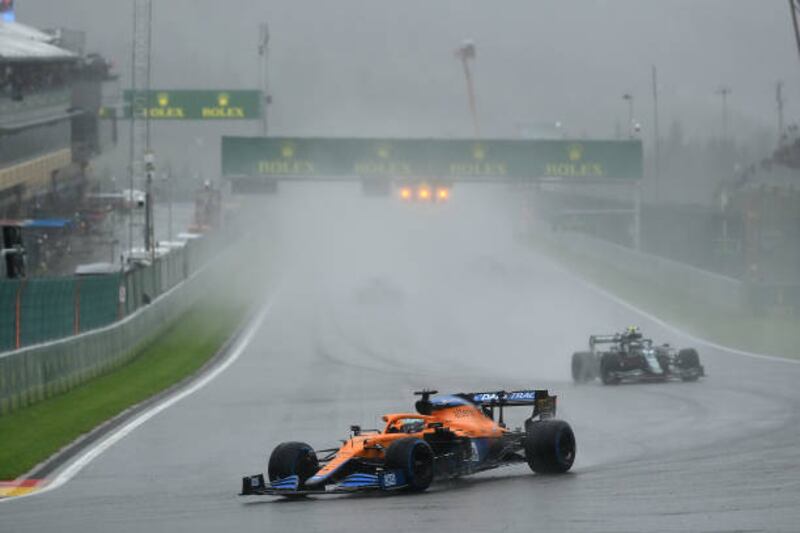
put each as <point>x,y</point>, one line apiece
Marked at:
<point>65,331</point>
<point>37,310</point>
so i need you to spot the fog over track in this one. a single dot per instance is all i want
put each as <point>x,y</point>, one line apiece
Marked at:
<point>382,298</point>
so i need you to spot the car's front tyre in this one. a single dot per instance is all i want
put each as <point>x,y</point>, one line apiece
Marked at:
<point>414,457</point>
<point>688,362</point>
<point>293,458</point>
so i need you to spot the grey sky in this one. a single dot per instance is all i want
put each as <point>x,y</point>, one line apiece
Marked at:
<point>372,67</point>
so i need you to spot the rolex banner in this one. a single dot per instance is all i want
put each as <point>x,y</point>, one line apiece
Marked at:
<point>431,158</point>
<point>194,104</point>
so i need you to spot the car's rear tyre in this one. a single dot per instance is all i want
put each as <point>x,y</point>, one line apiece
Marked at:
<point>549,446</point>
<point>609,363</point>
<point>414,457</point>
<point>293,458</point>
<point>583,367</point>
<point>688,361</point>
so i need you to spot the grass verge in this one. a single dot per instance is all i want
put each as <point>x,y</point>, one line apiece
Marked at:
<point>32,434</point>
<point>774,335</point>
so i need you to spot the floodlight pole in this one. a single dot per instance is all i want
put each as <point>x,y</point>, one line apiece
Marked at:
<point>132,132</point>
<point>656,135</point>
<point>780,101</point>
<point>149,167</point>
<point>628,97</point>
<point>724,92</point>
<point>263,73</point>
<point>464,54</point>
<point>637,216</point>
<point>139,112</point>
<point>149,156</point>
<point>169,186</point>
<point>794,8</point>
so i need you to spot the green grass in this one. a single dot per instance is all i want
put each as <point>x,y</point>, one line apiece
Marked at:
<point>34,433</point>
<point>769,334</point>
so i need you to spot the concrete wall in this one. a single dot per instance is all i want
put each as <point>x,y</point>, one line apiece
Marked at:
<point>724,292</point>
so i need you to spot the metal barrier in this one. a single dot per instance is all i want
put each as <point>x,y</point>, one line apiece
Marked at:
<point>65,331</point>
<point>8,314</point>
<point>38,372</point>
<point>44,309</point>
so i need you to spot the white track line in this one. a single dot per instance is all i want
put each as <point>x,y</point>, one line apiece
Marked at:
<point>123,431</point>
<point>670,327</point>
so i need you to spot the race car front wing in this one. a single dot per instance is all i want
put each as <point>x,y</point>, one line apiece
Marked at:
<point>387,480</point>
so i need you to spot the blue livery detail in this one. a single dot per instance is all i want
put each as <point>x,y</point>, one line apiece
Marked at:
<point>286,483</point>
<point>480,449</point>
<point>360,481</point>
<point>448,401</point>
<point>392,479</point>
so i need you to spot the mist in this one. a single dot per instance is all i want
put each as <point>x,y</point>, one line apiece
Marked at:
<point>387,68</point>
<point>361,289</point>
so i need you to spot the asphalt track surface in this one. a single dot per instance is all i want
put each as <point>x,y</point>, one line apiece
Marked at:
<point>380,299</point>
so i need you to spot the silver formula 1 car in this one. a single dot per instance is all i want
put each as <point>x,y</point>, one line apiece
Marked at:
<point>628,356</point>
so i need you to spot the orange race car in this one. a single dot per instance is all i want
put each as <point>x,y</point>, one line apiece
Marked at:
<point>448,436</point>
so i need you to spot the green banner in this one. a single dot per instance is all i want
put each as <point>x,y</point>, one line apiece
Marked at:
<point>194,104</point>
<point>286,157</point>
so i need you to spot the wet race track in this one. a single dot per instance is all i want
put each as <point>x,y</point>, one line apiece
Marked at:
<point>442,297</point>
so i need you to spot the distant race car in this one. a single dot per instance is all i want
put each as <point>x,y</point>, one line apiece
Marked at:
<point>449,436</point>
<point>628,356</point>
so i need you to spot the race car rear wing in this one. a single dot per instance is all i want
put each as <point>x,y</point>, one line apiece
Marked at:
<point>513,398</point>
<point>604,339</point>
<point>544,404</point>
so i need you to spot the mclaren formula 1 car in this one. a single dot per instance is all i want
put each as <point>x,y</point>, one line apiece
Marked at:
<point>628,356</point>
<point>448,436</point>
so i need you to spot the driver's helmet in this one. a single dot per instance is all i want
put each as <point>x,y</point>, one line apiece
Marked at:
<point>633,332</point>
<point>413,426</point>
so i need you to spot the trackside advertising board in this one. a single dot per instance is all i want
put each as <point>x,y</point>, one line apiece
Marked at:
<point>287,157</point>
<point>194,104</point>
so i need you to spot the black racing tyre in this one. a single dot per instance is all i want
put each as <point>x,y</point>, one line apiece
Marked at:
<point>688,359</point>
<point>608,364</point>
<point>415,458</point>
<point>582,367</point>
<point>291,458</point>
<point>549,446</point>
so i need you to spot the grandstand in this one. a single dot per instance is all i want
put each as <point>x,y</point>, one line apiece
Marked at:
<point>50,129</point>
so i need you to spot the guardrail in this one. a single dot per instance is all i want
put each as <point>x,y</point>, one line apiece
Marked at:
<point>44,370</point>
<point>126,312</point>
<point>43,309</point>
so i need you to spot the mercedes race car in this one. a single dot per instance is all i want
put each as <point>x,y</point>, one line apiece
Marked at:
<point>628,356</point>
<point>448,436</point>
